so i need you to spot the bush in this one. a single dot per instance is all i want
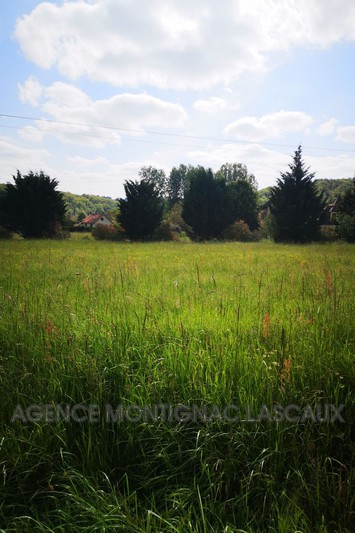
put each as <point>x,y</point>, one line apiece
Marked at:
<point>328,233</point>
<point>240,231</point>
<point>345,227</point>
<point>165,232</point>
<point>108,232</point>
<point>267,227</point>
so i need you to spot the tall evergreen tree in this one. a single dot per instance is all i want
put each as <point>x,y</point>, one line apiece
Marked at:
<point>207,204</point>
<point>32,207</point>
<point>244,197</point>
<point>142,209</point>
<point>295,205</point>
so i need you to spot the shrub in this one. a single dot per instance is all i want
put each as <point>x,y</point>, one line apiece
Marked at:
<point>166,232</point>
<point>108,232</point>
<point>240,231</point>
<point>328,233</point>
<point>345,227</point>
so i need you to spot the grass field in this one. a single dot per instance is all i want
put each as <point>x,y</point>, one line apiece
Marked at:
<point>204,326</point>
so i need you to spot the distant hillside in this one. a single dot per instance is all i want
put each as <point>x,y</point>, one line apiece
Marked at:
<point>333,188</point>
<point>330,188</point>
<point>264,195</point>
<point>88,204</point>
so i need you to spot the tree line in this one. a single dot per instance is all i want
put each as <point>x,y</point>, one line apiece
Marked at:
<point>206,204</point>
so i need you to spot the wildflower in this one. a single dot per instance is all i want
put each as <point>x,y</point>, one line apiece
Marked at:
<point>266,328</point>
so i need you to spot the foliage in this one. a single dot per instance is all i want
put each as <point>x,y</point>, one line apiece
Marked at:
<point>212,203</point>
<point>244,202</point>
<point>141,212</point>
<point>345,217</point>
<point>155,176</point>
<point>233,172</point>
<point>87,204</point>
<point>240,231</point>
<point>177,184</point>
<point>207,206</point>
<point>328,233</point>
<point>333,188</point>
<point>107,232</point>
<point>174,217</point>
<point>330,188</point>
<point>32,206</point>
<point>165,232</point>
<point>264,196</point>
<point>345,227</point>
<point>295,205</point>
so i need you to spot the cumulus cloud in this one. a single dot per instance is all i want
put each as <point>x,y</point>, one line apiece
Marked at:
<point>15,156</point>
<point>99,122</point>
<point>213,105</point>
<point>179,44</point>
<point>29,133</point>
<point>269,126</point>
<point>100,176</point>
<point>346,134</point>
<point>328,127</point>
<point>30,92</point>
<point>267,164</point>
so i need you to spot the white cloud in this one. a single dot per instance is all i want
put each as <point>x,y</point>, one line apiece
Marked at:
<point>264,163</point>
<point>267,164</point>
<point>29,133</point>
<point>15,156</point>
<point>328,127</point>
<point>100,176</point>
<point>346,134</point>
<point>332,167</point>
<point>30,92</point>
<point>93,122</point>
<point>214,105</point>
<point>179,44</point>
<point>269,126</point>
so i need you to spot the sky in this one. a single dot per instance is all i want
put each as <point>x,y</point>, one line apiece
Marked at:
<point>93,90</point>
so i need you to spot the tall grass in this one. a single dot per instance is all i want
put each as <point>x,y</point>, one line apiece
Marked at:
<point>98,323</point>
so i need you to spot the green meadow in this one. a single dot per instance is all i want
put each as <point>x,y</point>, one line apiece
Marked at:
<point>232,334</point>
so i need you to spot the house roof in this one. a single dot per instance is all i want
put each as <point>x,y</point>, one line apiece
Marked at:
<point>92,219</point>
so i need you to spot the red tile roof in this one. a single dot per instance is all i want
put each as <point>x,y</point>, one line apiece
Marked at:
<point>91,219</point>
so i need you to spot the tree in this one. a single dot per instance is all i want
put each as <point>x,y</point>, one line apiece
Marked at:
<point>233,172</point>
<point>242,187</point>
<point>156,176</point>
<point>345,217</point>
<point>207,206</point>
<point>32,207</point>
<point>177,184</point>
<point>296,206</point>
<point>142,210</point>
<point>244,197</point>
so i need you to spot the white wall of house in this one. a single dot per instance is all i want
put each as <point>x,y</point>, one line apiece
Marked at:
<point>103,220</point>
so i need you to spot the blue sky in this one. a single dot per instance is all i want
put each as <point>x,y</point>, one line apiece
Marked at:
<point>109,86</point>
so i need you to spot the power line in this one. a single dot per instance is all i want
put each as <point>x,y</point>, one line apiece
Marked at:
<point>129,139</point>
<point>166,134</point>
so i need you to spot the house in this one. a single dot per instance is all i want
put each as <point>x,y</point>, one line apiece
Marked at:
<point>91,221</point>
<point>264,211</point>
<point>330,212</point>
